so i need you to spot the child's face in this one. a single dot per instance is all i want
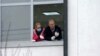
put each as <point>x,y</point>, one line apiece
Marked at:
<point>38,25</point>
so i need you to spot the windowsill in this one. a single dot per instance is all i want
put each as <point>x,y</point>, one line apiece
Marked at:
<point>16,44</point>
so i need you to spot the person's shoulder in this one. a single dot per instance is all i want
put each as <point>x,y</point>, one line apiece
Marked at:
<point>47,27</point>
<point>57,26</point>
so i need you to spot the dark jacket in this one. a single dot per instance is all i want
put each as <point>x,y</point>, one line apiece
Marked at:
<point>48,33</point>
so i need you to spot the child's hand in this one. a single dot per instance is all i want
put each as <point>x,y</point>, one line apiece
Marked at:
<point>34,40</point>
<point>41,37</point>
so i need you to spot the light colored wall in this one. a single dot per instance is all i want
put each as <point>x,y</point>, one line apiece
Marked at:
<point>35,51</point>
<point>72,27</point>
<point>84,25</point>
<point>88,27</point>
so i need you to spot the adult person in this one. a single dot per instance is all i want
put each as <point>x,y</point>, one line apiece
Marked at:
<point>52,31</point>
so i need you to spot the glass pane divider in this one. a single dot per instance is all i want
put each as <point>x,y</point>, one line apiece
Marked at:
<point>48,2</point>
<point>31,22</point>
<point>31,3</point>
<point>15,4</point>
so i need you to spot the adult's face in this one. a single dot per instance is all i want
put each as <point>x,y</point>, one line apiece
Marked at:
<point>51,24</point>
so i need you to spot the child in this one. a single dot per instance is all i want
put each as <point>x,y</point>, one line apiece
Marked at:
<point>38,32</point>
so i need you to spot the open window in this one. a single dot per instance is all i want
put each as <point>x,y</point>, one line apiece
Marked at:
<point>42,15</point>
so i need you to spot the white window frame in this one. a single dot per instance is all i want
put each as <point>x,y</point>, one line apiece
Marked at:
<point>0,25</point>
<point>31,4</point>
<point>32,17</point>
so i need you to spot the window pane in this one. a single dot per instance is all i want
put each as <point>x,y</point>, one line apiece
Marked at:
<point>14,1</point>
<point>16,23</point>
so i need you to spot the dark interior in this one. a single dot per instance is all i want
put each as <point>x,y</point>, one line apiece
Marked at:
<point>39,17</point>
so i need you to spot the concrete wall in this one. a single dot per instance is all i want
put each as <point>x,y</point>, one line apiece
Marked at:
<point>72,27</point>
<point>34,51</point>
<point>84,27</point>
<point>88,27</point>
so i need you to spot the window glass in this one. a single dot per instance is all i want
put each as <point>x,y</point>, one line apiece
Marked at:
<point>16,23</point>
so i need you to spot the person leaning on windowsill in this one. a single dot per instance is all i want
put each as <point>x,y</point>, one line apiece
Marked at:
<point>52,31</point>
<point>38,32</point>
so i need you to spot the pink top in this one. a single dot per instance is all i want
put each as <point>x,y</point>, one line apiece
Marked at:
<point>36,37</point>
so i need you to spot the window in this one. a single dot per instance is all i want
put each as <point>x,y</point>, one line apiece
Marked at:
<point>18,18</point>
